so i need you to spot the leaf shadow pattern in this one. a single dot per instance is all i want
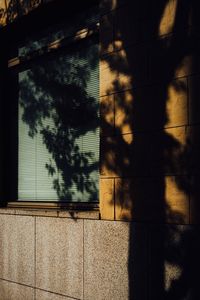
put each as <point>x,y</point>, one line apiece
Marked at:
<point>59,101</point>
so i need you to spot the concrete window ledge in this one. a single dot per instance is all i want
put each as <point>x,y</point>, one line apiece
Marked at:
<point>57,213</point>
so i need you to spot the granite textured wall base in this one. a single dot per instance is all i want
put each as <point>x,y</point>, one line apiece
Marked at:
<point>14,291</point>
<point>62,258</point>
<point>17,248</point>
<point>59,256</point>
<point>43,295</point>
<point>106,247</point>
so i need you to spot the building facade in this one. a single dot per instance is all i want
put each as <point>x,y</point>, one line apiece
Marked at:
<point>137,236</point>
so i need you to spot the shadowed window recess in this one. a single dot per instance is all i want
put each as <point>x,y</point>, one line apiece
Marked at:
<point>58,113</point>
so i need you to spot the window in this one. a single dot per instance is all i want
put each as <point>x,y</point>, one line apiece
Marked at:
<point>56,129</point>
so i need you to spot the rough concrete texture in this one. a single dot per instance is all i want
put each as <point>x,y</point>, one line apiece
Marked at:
<point>59,256</point>
<point>17,248</point>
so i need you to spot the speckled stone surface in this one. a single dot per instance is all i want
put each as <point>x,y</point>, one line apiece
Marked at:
<point>37,212</point>
<point>79,214</point>
<point>43,295</point>
<point>7,211</point>
<point>106,246</point>
<point>17,248</point>
<point>59,256</point>
<point>13,291</point>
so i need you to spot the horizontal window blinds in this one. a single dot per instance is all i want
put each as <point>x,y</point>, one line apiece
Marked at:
<point>58,127</point>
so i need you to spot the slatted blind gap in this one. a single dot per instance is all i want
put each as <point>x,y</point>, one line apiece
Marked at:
<point>58,152</point>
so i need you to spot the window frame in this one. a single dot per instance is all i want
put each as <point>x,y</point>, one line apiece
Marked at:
<point>23,27</point>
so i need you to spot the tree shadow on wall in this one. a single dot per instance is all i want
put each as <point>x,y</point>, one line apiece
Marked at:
<point>64,98</point>
<point>58,108</point>
<point>152,142</point>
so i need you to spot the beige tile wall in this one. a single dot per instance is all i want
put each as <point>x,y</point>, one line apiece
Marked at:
<point>149,112</point>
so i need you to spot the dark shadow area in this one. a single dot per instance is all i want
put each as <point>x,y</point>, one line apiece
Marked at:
<point>153,162</point>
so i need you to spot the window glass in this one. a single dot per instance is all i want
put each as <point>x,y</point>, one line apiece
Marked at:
<point>58,125</point>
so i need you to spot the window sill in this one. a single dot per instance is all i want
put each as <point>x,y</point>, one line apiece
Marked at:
<point>51,210</point>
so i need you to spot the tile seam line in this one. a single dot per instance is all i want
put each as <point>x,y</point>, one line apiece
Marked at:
<point>37,288</point>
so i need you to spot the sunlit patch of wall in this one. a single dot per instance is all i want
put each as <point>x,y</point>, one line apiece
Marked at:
<point>168,18</point>
<point>172,273</point>
<point>2,13</point>
<point>177,103</point>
